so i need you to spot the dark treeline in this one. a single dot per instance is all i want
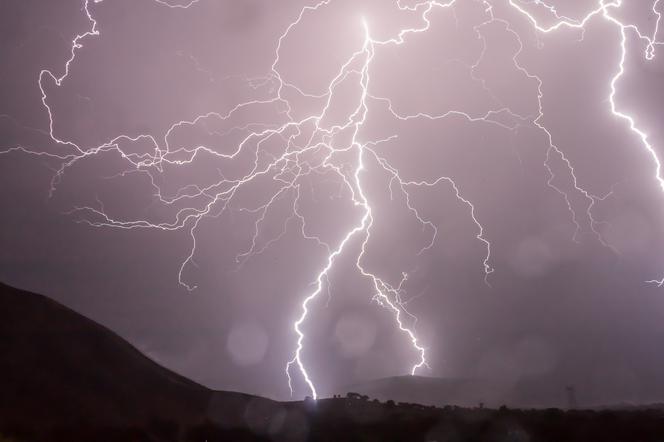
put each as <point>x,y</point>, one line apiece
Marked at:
<point>357,418</point>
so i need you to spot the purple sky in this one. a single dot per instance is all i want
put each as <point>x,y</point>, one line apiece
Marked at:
<point>104,224</point>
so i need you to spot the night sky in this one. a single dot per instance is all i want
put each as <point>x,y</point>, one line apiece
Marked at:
<point>198,241</point>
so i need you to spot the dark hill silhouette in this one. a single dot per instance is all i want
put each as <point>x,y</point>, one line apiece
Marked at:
<point>533,392</point>
<point>64,378</point>
<point>60,367</point>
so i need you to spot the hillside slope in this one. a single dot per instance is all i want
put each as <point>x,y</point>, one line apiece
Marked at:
<point>58,366</point>
<point>526,393</point>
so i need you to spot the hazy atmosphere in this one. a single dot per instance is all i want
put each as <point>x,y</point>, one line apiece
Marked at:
<point>197,170</point>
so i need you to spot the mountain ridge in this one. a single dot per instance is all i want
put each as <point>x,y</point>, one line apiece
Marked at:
<point>60,367</point>
<point>528,392</point>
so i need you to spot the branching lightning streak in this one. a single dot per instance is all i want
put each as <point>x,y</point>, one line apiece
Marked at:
<point>319,154</point>
<point>603,9</point>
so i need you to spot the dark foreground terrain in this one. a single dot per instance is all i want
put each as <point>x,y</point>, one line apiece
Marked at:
<point>65,378</point>
<point>339,420</point>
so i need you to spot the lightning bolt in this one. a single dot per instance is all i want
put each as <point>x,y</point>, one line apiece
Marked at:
<point>310,145</point>
<point>385,294</point>
<point>603,10</point>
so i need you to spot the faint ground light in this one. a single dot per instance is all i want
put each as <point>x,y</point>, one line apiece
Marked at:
<point>277,422</point>
<point>264,417</point>
<point>247,343</point>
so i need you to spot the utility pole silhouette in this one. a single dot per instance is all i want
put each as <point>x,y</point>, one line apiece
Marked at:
<point>571,397</point>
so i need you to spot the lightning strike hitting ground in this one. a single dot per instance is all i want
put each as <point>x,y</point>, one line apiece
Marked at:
<point>322,153</point>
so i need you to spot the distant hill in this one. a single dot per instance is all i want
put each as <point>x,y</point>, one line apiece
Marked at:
<point>526,393</point>
<point>64,378</point>
<point>59,367</point>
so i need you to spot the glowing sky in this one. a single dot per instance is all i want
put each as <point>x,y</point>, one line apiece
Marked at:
<point>462,188</point>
